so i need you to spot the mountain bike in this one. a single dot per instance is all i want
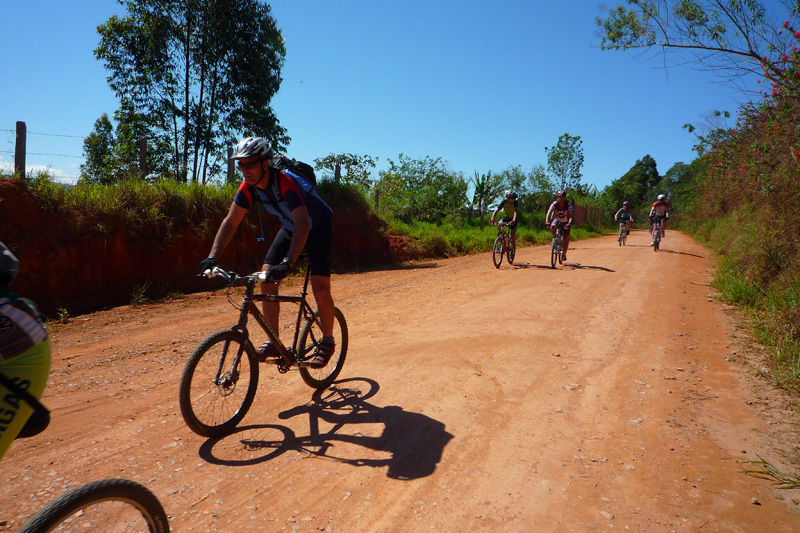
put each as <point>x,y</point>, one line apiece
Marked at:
<point>103,505</point>
<point>557,244</point>
<point>623,233</point>
<point>657,232</point>
<point>220,378</point>
<point>503,245</point>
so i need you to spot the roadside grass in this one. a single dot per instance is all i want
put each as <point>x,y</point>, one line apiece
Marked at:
<point>758,272</point>
<point>149,210</point>
<point>455,237</point>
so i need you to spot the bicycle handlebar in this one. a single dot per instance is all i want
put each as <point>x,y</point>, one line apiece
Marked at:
<point>232,278</point>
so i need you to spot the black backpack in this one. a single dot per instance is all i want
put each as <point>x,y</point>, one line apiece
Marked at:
<point>304,170</point>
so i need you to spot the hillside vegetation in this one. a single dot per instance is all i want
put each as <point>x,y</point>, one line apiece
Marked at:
<point>740,198</point>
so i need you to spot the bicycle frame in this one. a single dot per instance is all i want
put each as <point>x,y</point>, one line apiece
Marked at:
<point>249,307</point>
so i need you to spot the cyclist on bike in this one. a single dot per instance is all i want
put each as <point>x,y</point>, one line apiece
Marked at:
<point>510,206</point>
<point>560,212</point>
<point>660,211</point>
<point>24,356</point>
<point>624,215</point>
<point>306,222</point>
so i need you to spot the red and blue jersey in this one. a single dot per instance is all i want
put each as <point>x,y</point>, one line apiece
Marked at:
<point>285,192</point>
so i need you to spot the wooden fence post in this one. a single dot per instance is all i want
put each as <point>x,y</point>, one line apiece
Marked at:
<point>142,157</point>
<point>20,149</point>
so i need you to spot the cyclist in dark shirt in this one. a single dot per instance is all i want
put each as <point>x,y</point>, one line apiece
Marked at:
<point>306,223</point>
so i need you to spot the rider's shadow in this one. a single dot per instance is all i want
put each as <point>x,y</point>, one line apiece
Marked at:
<point>415,442</point>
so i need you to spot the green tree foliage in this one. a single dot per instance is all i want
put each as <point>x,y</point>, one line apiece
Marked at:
<point>635,186</point>
<point>194,75</point>
<point>565,160</point>
<point>421,189</point>
<point>356,168</point>
<point>730,37</point>
<point>98,148</point>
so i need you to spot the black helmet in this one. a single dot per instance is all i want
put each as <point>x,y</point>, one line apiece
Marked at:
<point>252,147</point>
<point>9,265</point>
<point>511,195</point>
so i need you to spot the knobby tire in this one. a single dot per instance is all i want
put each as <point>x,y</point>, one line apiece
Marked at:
<point>497,251</point>
<point>310,336</point>
<point>103,505</point>
<point>555,252</point>
<point>211,409</point>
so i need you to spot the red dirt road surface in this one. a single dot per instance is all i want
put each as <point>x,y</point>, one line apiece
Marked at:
<point>607,394</point>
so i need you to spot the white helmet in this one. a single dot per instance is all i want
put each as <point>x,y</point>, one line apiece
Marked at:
<point>661,197</point>
<point>252,147</point>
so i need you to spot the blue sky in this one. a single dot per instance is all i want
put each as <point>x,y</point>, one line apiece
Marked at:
<point>481,85</point>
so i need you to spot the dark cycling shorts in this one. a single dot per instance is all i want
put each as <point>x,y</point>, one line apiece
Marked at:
<point>319,245</point>
<point>511,227</point>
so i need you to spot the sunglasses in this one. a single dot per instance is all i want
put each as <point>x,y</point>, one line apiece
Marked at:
<point>248,166</point>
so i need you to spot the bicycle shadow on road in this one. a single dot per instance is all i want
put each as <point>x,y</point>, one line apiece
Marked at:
<point>681,253</point>
<point>578,266</point>
<point>414,441</point>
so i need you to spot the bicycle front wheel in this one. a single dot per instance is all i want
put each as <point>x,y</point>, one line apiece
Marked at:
<point>497,252</point>
<point>622,235</point>
<point>555,251</point>
<point>103,505</point>
<point>512,251</point>
<point>310,336</point>
<point>218,383</point>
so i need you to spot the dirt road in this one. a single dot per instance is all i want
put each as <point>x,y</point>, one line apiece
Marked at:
<point>597,396</point>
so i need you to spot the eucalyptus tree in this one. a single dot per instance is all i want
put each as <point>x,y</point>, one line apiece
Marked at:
<point>565,160</point>
<point>201,73</point>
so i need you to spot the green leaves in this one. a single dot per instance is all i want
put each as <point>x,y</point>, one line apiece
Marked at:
<point>565,160</point>
<point>197,74</point>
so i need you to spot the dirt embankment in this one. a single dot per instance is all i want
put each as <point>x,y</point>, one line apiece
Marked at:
<point>81,262</point>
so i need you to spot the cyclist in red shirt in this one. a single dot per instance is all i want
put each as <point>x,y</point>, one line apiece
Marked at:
<point>660,211</point>
<point>560,212</point>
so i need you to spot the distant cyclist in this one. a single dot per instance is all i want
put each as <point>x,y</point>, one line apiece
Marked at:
<point>624,216</point>
<point>660,211</point>
<point>24,356</point>
<point>510,206</point>
<point>560,212</point>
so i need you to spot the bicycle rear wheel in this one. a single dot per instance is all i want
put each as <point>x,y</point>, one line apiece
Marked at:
<point>103,505</point>
<point>497,251</point>
<point>212,405</point>
<point>555,252</point>
<point>310,336</point>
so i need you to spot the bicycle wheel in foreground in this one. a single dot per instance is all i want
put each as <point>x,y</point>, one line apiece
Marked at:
<point>107,505</point>
<point>555,252</point>
<point>512,252</point>
<point>310,336</point>
<point>215,396</point>
<point>497,251</point>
